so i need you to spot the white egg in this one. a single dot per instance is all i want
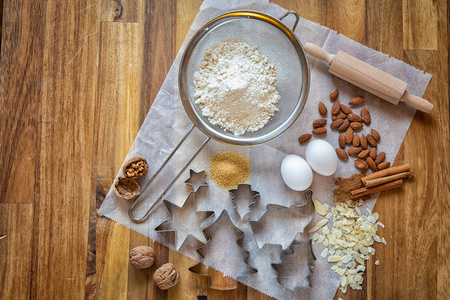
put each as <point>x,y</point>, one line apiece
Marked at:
<point>296,173</point>
<point>322,157</point>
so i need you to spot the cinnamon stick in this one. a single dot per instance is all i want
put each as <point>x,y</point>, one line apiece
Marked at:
<point>378,181</point>
<point>379,188</point>
<point>386,172</point>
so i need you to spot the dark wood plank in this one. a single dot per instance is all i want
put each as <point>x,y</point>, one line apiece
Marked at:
<point>20,93</point>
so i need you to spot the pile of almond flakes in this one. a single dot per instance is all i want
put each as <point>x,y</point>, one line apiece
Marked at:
<point>348,242</point>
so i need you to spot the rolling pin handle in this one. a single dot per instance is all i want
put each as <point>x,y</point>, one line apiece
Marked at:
<point>319,53</point>
<point>417,102</point>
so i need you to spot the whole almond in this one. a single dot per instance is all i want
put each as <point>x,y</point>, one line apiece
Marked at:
<point>363,154</point>
<point>345,109</point>
<point>371,164</point>
<point>341,141</point>
<point>341,115</point>
<point>319,123</point>
<point>344,126</point>
<point>341,154</point>
<point>304,138</point>
<point>354,118</point>
<point>319,130</point>
<point>380,158</point>
<point>363,141</point>
<point>371,140</point>
<point>375,134</point>
<point>365,115</point>
<point>356,125</point>
<point>360,164</point>
<point>322,109</point>
<point>356,140</point>
<point>349,136</point>
<point>336,123</point>
<point>356,100</point>
<point>334,94</point>
<point>373,153</point>
<point>383,165</point>
<point>335,108</point>
<point>354,150</point>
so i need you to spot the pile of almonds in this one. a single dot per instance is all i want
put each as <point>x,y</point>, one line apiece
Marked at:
<point>363,147</point>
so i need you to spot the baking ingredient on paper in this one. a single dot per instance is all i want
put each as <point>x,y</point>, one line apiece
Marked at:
<point>296,172</point>
<point>348,241</point>
<point>228,169</point>
<point>322,157</point>
<point>236,87</point>
<point>126,188</point>
<point>135,167</point>
<point>342,193</point>
<point>142,257</point>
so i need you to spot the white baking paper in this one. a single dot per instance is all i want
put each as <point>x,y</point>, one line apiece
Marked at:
<point>167,122</point>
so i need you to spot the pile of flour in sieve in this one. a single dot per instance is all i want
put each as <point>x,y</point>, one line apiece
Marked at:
<point>236,87</point>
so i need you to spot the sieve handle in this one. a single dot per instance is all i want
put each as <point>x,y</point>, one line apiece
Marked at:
<point>297,18</point>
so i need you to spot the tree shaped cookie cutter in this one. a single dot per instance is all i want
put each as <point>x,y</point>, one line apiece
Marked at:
<point>242,193</point>
<point>288,269</point>
<point>302,214</point>
<point>202,270</point>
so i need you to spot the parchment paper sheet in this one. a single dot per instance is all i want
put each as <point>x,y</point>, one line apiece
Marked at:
<point>167,122</point>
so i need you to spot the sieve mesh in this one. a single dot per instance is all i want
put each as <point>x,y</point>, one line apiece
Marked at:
<point>281,48</point>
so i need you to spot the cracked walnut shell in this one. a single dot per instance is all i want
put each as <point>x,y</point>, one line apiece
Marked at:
<point>135,167</point>
<point>126,188</point>
<point>166,276</point>
<point>142,257</point>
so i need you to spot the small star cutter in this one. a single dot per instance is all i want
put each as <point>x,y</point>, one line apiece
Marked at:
<point>242,193</point>
<point>200,268</point>
<point>291,280</point>
<point>174,211</point>
<point>196,180</point>
<point>306,207</point>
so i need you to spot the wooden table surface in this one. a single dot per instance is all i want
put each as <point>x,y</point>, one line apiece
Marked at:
<point>77,80</point>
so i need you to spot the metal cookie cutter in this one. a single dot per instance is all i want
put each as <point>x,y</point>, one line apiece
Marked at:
<point>294,65</point>
<point>185,221</point>
<point>196,180</point>
<point>213,247</point>
<point>243,198</point>
<point>294,265</point>
<point>277,222</point>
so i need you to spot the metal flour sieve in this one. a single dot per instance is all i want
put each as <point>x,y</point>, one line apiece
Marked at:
<point>276,42</point>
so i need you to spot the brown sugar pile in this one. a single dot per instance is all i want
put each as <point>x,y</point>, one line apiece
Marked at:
<point>228,169</point>
<point>344,186</point>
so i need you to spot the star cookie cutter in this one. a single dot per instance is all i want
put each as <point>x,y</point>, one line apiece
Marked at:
<point>222,222</point>
<point>288,270</point>
<point>273,218</point>
<point>181,225</point>
<point>243,193</point>
<point>196,180</point>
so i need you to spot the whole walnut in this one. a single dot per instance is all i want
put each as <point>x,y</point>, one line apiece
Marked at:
<point>166,276</point>
<point>142,257</point>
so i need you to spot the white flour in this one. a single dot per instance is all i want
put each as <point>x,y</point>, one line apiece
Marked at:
<point>236,87</point>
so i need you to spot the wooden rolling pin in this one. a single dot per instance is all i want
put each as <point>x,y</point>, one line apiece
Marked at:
<point>368,78</point>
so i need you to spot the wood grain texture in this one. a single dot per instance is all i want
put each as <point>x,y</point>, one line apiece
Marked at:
<point>76,81</point>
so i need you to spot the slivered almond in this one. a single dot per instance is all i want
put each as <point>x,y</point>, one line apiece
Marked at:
<point>319,208</point>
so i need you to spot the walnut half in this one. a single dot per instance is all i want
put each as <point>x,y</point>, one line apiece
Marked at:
<point>135,167</point>
<point>126,188</point>
<point>142,257</point>
<point>166,276</point>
